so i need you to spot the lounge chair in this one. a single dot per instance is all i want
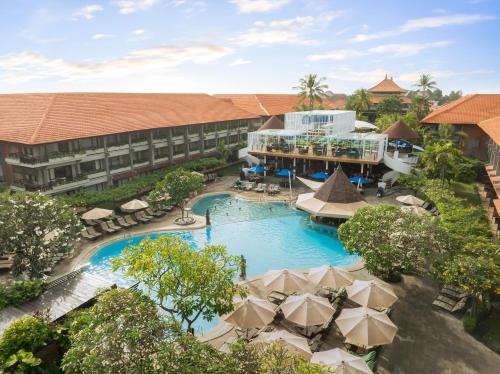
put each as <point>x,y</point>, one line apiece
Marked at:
<point>259,188</point>
<point>6,263</point>
<point>155,213</point>
<point>277,297</point>
<point>112,225</point>
<point>454,292</point>
<point>130,220</point>
<point>92,231</point>
<point>167,208</point>
<point>106,228</point>
<point>87,234</point>
<point>456,306</point>
<point>141,217</point>
<point>121,221</point>
<point>147,215</point>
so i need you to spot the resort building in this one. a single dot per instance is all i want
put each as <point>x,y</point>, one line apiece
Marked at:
<point>327,136</point>
<point>386,89</point>
<point>65,142</point>
<point>465,114</point>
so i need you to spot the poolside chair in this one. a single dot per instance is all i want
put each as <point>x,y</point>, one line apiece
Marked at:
<point>6,263</point>
<point>455,306</point>
<point>104,227</point>
<point>147,215</point>
<point>89,236</point>
<point>454,292</point>
<point>141,217</point>
<point>155,213</point>
<point>130,220</point>
<point>121,221</point>
<point>92,231</point>
<point>112,225</point>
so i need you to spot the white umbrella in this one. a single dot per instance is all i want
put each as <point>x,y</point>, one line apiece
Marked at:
<point>284,280</point>
<point>307,309</point>
<point>372,293</point>
<point>341,362</point>
<point>365,327</point>
<point>410,200</point>
<point>332,277</point>
<point>251,312</point>
<point>363,125</point>
<point>414,209</point>
<point>292,342</point>
<point>134,205</point>
<point>97,213</point>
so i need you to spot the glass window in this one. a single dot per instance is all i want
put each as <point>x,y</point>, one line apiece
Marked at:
<point>194,129</point>
<point>178,131</point>
<point>118,162</point>
<point>194,146</point>
<point>210,143</point>
<point>210,128</point>
<point>141,156</point>
<point>161,152</point>
<point>179,149</point>
<point>160,133</point>
<point>233,139</point>
<point>222,127</point>
<point>138,137</point>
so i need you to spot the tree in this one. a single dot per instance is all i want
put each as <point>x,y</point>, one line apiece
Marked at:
<point>121,333</point>
<point>421,106</point>
<point>391,240</point>
<point>36,229</point>
<point>425,84</point>
<point>360,101</point>
<point>384,121</point>
<point>188,283</point>
<point>178,184</point>
<point>445,133</point>
<point>391,105</point>
<point>223,151</point>
<point>452,96</point>
<point>440,160</point>
<point>311,87</point>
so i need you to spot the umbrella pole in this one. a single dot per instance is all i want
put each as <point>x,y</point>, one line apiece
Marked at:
<point>290,185</point>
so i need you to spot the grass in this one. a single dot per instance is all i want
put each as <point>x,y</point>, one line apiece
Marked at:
<point>233,170</point>
<point>488,330</point>
<point>467,191</point>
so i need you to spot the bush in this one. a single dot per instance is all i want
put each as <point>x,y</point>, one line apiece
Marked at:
<point>468,170</point>
<point>470,322</point>
<point>29,334</point>
<point>19,292</point>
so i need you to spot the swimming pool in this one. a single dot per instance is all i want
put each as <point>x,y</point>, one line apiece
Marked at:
<point>269,235</point>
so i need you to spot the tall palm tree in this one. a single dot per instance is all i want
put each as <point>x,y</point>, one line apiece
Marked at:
<point>361,101</point>
<point>445,133</point>
<point>312,88</point>
<point>425,83</point>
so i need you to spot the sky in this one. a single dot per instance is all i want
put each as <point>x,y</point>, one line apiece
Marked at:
<point>246,46</point>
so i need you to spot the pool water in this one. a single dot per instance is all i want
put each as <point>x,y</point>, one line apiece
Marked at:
<point>269,235</point>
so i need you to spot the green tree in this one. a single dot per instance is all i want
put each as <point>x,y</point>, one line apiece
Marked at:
<point>391,105</point>
<point>445,133</point>
<point>188,283</point>
<point>452,96</point>
<point>223,151</point>
<point>311,87</point>
<point>440,160</point>
<point>421,106</point>
<point>121,333</point>
<point>360,101</point>
<point>384,121</point>
<point>425,84</point>
<point>390,240</point>
<point>36,229</point>
<point>178,184</point>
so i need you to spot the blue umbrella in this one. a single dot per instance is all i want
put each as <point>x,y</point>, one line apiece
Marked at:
<point>257,169</point>
<point>284,173</point>
<point>319,175</point>
<point>359,180</point>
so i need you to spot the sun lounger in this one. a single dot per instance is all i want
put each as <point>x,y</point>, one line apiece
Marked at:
<point>6,263</point>
<point>167,208</point>
<point>112,225</point>
<point>146,215</point>
<point>86,234</point>
<point>456,306</point>
<point>155,213</point>
<point>121,221</point>
<point>316,343</point>
<point>454,293</point>
<point>130,220</point>
<point>141,217</point>
<point>259,188</point>
<point>277,297</point>
<point>106,228</point>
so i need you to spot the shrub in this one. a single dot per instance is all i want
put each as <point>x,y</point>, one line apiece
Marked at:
<point>469,322</point>
<point>468,170</point>
<point>29,334</point>
<point>19,292</point>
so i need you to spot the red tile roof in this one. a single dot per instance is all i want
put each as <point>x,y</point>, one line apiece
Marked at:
<point>400,130</point>
<point>492,128</point>
<point>273,123</point>
<point>387,86</point>
<point>470,109</point>
<point>270,104</point>
<point>52,117</point>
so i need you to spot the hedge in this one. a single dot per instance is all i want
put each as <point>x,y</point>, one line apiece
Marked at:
<point>111,196</point>
<point>19,292</point>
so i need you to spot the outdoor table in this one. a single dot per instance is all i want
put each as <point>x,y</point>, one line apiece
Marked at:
<point>276,297</point>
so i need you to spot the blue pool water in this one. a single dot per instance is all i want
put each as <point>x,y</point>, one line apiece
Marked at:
<point>269,235</point>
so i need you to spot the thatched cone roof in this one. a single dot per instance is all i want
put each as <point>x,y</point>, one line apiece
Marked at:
<point>273,123</point>
<point>338,189</point>
<point>400,130</point>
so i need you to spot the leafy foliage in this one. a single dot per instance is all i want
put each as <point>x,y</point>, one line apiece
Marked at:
<point>390,240</point>
<point>443,134</point>
<point>16,293</point>
<point>21,362</point>
<point>421,106</point>
<point>36,228</point>
<point>440,160</point>
<point>384,121</point>
<point>311,87</point>
<point>223,151</point>
<point>188,283</point>
<point>390,105</point>
<point>360,101</point>
<point>425,84</point>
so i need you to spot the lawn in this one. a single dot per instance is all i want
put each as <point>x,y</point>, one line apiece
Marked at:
<point>233,170</point>
<point>466,191</point>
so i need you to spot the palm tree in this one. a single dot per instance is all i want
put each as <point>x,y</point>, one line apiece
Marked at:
<point>360,101</point>
<point>425,83</point>
<point>445,133</point>
<point>312,88</point>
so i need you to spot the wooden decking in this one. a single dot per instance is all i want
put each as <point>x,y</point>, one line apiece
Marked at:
<point>307,156</point>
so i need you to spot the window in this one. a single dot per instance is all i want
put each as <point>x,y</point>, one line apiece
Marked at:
<point>244,137</point>
<point>210,128</point>
<point>116,140</point>
<point>179,149</point>
<point>473,143</point>
<point>233,139</point>
<point>178,131</point>
<point>141,156</point>
<point>194,146</point>
<point>91,167</point>
<point>160,133</point>
<point>222,127</point>
<point>194,129</point>
<point>210,144</point>
<point>118,162</point>
<point>138,137</point>
<point>161,152</point>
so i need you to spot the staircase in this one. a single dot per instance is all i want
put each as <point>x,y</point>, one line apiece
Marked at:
<point>244,155</point>
<point>401,165</point>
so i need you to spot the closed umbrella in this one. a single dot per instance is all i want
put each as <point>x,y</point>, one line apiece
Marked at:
<point>359,180</point>
<point>284,280</point>
<point>134,205</point>
<point>97,213</point>
<point>332,277</point>
<point>410,200</point>
<point>290,341</point>
<point>373,294</point>
<point>321,175</point>
<point>307,309</point>
<point>251,312</point>
<point>365,327</point>
<point>341,362</point>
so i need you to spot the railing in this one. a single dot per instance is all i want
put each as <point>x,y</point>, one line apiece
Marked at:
<point>31,186</point>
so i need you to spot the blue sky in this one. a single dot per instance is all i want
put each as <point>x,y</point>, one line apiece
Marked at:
<point>245,46</point>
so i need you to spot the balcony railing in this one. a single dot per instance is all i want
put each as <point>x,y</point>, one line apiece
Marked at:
<point>33,186</point>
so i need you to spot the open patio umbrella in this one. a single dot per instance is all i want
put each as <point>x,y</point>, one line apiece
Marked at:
<point>257,169</point>
<point>359,180</point>
<point>372,293</point>
<point>290,341</point>
<point>363,125</point>
<point>341,362</point>
<point>251,312</point>
<point>284,173</point>
<point>410,200</point>
<point>134,205</point>
<point>321,175</point>
<point>365,327</point>
<point>97,213</point>
<point>332,277</point>
<point>284,280</point>
<point>307,309</point>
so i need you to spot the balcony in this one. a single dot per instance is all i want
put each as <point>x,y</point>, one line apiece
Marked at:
<point>58,185</point>
<point>53,158</point>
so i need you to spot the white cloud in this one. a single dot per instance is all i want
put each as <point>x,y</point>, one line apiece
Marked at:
<point>240,61</point>
<point>250,6</point>
<point>340,54</point>
<point>286,31</point>
<point>102,36</point>
<point>190,6</point>
<point>138,32</point>
<point>88,11</point>
<point>132,6</point>
<point>426,23</point>
<point>27,66</point>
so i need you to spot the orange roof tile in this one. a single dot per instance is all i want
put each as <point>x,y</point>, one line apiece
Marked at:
<point>387,86</point>
<point>468,110</point>
<point>492,128</point>
<point>269,104</point>
<point>52,117</point>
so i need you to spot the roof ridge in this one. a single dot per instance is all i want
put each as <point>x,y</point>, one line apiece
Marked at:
<point>42,120</point>
<point>260,105</point>
<point>446,107</point>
